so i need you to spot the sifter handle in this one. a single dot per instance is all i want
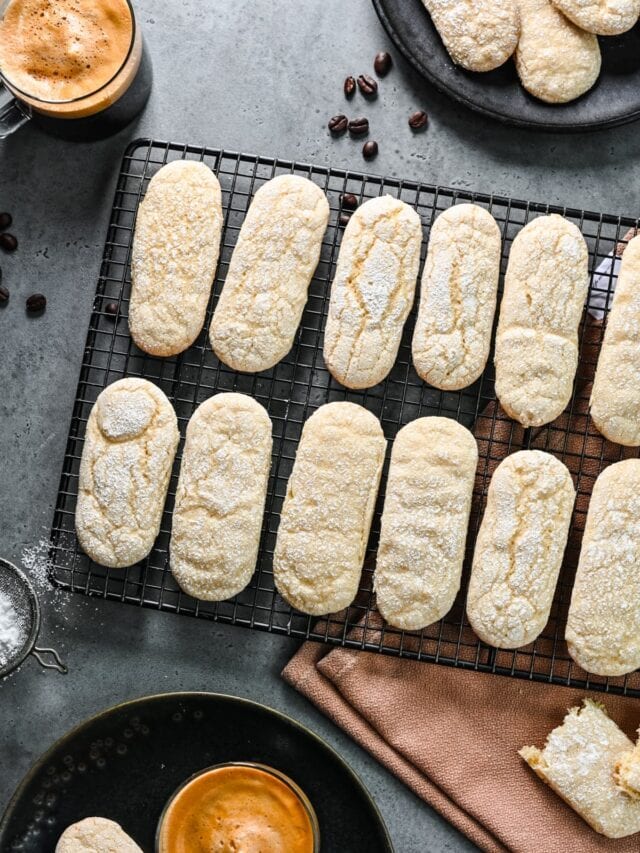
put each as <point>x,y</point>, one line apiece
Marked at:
<point>57,664</point>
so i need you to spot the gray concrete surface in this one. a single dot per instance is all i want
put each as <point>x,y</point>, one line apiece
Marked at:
<point>260,76</point>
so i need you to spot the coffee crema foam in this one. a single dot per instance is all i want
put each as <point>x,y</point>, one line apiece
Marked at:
<point>63,50</point>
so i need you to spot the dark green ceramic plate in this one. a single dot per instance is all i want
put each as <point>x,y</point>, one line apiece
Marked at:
<point>614,100</point>
<point>125,762</point>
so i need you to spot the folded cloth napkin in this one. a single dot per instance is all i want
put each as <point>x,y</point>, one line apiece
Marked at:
<point>453,736</point>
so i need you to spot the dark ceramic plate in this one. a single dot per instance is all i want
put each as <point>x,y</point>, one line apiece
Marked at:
<point>125,763</point>
<point>614,100</point>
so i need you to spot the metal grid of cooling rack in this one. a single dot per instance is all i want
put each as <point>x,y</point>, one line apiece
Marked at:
<point>297,386</point>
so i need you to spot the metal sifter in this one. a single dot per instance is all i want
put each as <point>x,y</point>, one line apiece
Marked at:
<point>17,592</point>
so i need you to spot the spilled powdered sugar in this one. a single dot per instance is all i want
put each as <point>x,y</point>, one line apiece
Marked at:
<point>35,563</point>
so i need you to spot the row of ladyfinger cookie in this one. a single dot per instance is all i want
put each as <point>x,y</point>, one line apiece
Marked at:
<point>175,254</point>
<point>326,517</point>
<point>130,444</point>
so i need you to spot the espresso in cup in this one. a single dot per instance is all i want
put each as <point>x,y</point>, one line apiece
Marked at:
<point>79,66</point>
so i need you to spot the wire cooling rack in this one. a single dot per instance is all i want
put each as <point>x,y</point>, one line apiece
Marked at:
<point>297,386</point>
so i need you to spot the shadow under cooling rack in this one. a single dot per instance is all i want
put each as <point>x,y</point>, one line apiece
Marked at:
<point>296,387</point>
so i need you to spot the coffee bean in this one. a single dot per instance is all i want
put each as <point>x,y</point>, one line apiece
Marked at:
<point>36,302</point>
<point>367,85</point>
<point>370,150</point>
<point>8,242</point>
<point>418,120</point>
<point>111,310</point>
<point>338,124</point>
<point>4,295</point>
<point>349,87</point>
<point>382,63</point>
<point>359,126</point>
<point>344,218</point>
<point>348,201</point>
<point>5,221</point>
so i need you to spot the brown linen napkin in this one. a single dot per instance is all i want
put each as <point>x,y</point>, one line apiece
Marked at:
<point>453,736</point>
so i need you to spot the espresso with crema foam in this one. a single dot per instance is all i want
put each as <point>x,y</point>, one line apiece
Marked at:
<point>74,59</point>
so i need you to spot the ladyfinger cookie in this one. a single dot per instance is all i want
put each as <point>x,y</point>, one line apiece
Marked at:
<point>577,762</point>
<point>626,772</point>
<point>478,34</point>
<point>220,497</point>
<point>519,549</point>
<point>536,352</point>
<point>96,835</point>
<point>424,522</point>
<point>372,292</point>
<point>174,257</point>
<point>615,397</point>
<point>265,291</point>
<point>603,17</point>
<point>130,442</point>
<point>556,61</point>
<point>603,625</point>
<point>452,335</point>
<point>328,507</point>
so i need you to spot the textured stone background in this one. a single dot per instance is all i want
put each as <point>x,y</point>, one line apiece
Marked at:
<point>260,76</point>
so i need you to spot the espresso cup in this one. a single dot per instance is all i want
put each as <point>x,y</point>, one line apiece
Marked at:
<point>78,68</point>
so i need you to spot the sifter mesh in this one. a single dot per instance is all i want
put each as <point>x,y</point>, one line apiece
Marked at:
<point>19,617</point>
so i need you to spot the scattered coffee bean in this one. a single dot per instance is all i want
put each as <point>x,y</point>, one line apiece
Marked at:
<point>111,310</point>
<point>5,221</point>
<point>4,295</point>
<point>344,218</point>
<point>349,87</point>
<point>8,242</point>
<point>36,302</point>
<point>348,201</point>
<point>418,120</point>
<point>359,126</point>
<point>338,124</point>
<point>382,63</point>
<point>370,150</point>
<point>367,85</point>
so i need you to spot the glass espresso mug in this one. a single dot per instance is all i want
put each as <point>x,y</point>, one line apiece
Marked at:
<point>78,68</point>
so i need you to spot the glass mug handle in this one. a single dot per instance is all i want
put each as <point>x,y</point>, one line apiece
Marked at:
<point>13,115</point>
